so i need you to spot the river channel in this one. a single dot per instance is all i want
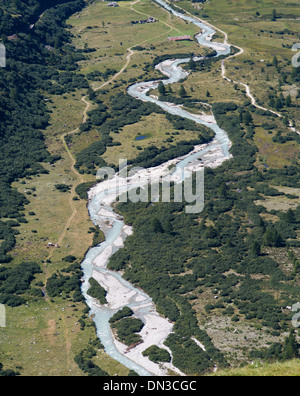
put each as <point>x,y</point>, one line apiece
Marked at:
<point>121,293</point>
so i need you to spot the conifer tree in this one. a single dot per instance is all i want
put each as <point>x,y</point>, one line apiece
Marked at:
<point>182,91</point>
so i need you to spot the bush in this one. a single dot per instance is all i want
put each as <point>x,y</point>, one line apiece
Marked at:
<point>157,355</point>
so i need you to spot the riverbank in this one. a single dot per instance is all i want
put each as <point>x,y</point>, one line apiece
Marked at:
<point>101,199</point>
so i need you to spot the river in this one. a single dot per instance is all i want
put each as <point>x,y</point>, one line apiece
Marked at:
<point>120,293</point>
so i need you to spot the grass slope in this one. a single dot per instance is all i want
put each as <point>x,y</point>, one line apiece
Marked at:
<point>257,369</point>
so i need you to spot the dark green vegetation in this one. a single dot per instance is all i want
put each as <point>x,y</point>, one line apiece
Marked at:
<point>224,252</point>
<point>7,372</point>
<point>68,285</point>
<point>280,352</point>
<point>39,59</point>
<point>83,188</point>
<point>231,249</point>
<point>127,330</point>
<point>124,110</point>
<point>85,362</point>
<point>97,291</point>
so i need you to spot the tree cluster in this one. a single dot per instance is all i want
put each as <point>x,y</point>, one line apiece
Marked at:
<point>174,265</point>
<point>15,283</point>
<point>35,66</point>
